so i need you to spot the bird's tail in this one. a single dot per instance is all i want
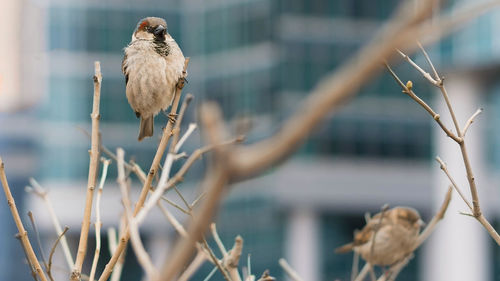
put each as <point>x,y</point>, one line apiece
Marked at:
<point>146,127</point>
<point>344,249</point>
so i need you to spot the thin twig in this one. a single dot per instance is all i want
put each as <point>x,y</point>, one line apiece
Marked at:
<point>38,240</point>
<point>422,103</point>
<point>98,222</point>
<point>216,261</point>
<point>362,274</point>
<point>443,167</point>
<point>289,270</point>
<point>418,68</point>
<point>437,218</point>
<point>92,176</point>
<point>39,191</point>
<point>195,201</point>
<point>372,273</point>
<point>428,59</point>
<point>174,205</point>
<point>140,252</point>
<point>23,235</point>
<point>186,135</point>
<point>214,270</point>
<point>470,121</point>
<point>173,221</point>
<point>216,237</point>
<point>355,262</point>
<point>52,251</point>
<point>167,132</point>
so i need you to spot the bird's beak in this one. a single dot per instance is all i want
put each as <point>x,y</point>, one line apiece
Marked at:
<point>159,31</point>
<point>421,223</point>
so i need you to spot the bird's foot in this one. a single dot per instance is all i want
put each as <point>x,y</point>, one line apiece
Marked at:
<point>182,81</point>
<point>172,117</point>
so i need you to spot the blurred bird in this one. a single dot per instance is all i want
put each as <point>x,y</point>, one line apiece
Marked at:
<point>152,65</point>
<point>396,232</point>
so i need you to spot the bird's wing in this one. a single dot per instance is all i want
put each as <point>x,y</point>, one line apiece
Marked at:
<point>364,235</point>
<point>124,68</point>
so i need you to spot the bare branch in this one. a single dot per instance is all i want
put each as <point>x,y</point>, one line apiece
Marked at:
<point>23,235</point>
<point>94,162</point>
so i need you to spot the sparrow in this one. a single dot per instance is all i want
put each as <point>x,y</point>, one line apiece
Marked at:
<point>396,232</point>
<point>153,64</point>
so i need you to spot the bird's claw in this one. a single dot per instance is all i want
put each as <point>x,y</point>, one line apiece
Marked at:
<point>182,81</point>
<point>172,117</point>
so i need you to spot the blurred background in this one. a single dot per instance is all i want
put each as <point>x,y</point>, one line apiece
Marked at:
<point>257,59</point>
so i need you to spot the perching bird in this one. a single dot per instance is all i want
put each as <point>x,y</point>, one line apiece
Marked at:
<point>396,234</point>
<point>152,65</point>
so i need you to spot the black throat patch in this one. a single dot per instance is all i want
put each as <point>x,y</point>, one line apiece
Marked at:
<point>161,47</point>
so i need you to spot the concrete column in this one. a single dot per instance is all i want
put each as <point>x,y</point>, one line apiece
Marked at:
<point>458,250</point>
<point>10,19</point>
<point>302,243</point>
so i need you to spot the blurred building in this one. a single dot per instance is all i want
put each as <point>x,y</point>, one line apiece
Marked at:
<point>258,59</point>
